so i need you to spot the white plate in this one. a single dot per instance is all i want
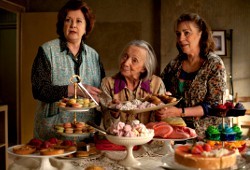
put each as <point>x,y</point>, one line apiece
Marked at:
<point>37,154</point>
<point>92,156</point>
<point>73,109</point>
<point>76,134</point>
<point>169,162</point>
<point>163,139</point>
<point>147,109</point>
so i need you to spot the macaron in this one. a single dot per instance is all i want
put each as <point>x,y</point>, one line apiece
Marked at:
<point>69,130</point>
<point>59,129</point>
<point>67,125</point>
<point>76,105</point>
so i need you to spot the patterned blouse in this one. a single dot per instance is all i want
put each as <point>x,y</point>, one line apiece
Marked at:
<point>204,87</point>
<point>115,88</point>
<point>52,69</point>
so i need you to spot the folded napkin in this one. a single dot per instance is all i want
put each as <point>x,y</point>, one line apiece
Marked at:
<point>104,144</point>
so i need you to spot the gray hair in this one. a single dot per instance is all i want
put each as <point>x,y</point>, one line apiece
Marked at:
<point>151,61</point>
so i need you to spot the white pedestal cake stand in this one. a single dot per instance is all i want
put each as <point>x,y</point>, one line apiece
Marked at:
<point>167,146</point>
<point>129,143</point>
<point>44,160</point>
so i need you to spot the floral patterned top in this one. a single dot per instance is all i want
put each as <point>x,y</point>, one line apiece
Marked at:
<point>52,69</point>
<point>115,88</point>
<point>204,87</point>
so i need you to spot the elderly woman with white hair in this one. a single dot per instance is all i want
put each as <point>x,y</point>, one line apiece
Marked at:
<point>135,80</point>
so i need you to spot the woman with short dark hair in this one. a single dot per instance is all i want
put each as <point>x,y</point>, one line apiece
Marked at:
<point>55,64</point>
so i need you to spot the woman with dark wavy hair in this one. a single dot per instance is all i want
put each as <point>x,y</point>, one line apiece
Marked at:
<point>197,74</point>
<point>57,61</point>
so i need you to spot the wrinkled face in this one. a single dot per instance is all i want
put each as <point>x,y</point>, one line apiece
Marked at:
<point>132,62</point>
<point>188,37</point>
<point>74,26</point>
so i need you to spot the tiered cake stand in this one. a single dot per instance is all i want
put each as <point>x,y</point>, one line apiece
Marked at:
<point>167,148</point>
<point>76,80</point>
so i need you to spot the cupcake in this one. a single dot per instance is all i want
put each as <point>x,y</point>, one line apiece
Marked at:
<point>239,106</point>
<point>227,134</point>
<point>212,133</point>
<point>220,127</point>
<point>238,132</point>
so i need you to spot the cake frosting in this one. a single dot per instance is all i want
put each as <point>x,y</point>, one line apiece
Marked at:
<point>225,133</point>
<point>212,133</point>
<point>238,132</point>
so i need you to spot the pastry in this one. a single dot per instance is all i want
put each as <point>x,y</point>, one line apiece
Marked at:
<point>155,100</point>
<point>59,129</point>
<point>51,151</point>
<point>80,154</point>
<point>195,157</point>
<point>76,105</point>
<point>24,149</point>
<point>69,130</point>
<point>67,125</point>
<point>164,98</point>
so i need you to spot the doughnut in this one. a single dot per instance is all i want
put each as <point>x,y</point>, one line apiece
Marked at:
<point>51,151</point>
<point>24,149</point>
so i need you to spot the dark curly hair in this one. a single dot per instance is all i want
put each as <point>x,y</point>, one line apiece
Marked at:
<point>206,42</point>
<point>75,5</point>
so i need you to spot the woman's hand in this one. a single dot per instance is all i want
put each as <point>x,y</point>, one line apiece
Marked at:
<point>167,112</point>
<point>168,93</point>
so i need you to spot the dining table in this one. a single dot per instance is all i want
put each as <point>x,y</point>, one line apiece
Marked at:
<point>150,155</point>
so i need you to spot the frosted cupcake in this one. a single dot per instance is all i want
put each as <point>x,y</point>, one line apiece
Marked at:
<point>238,132</point>
<point>212,133</point>
<point>228,134</point>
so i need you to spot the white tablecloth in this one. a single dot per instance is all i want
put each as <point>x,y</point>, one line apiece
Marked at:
<point>108,159</point>
<point>147,155</point>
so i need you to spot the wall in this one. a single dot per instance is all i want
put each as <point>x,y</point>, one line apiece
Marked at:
<point>231,14</point>
<point>8,71</point>
<point>157,19</point>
